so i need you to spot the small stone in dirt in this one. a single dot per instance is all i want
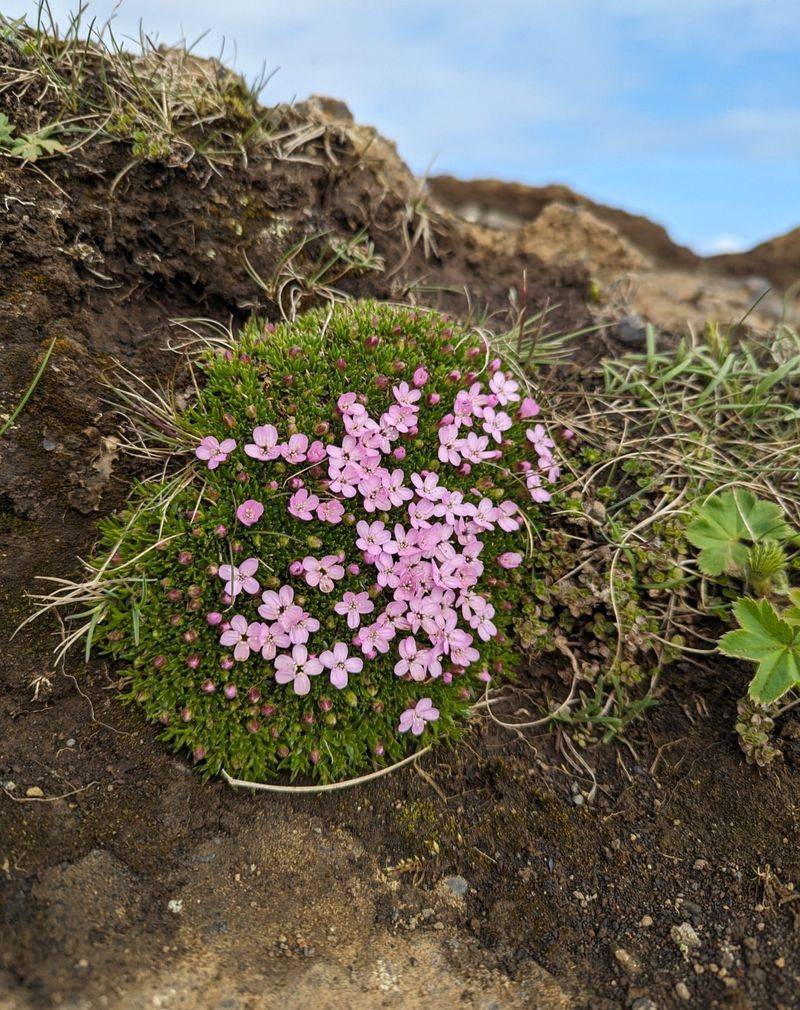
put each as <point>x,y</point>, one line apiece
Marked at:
<point>71,742</point>
<point>685,935</point>
<point>628,961</point>
<point>457,885</point>
<point>631,330</point>
<point>646,921</point>
<point>578,800</point>
<point>175,905</point>
<point>682,991</point>
<point>643,1003</point>
<point>34,791</point>
<point>700,864</point>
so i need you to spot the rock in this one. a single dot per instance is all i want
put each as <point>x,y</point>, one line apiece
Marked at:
<point>685,936</point>
<point>457,885</point>
<point>682,991</point>
<point>628,961</point>
<point>631,330</point>
<point>34,792</point>
<point>644,1003</point>
<point>646,921</point>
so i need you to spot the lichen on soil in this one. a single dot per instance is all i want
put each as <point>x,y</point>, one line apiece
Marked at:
<point>485,878</point>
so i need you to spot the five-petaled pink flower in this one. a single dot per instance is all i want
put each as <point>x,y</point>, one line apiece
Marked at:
<point>238,578</point>
<point>236,635</point>
<point>340,664</point>
<point>265,443</point>
<point>511,559</point>
<point>414,719</point>
<point>297,669</point>
<point>213,452</point>
<point>249,512</point>
<point>330,511</point>
<point>354,605</point>
<point>302,505</point>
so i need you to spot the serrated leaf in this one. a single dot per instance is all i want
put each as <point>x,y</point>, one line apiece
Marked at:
<point>6,130</point>
<point>766,639</point>
<point>726,522</point>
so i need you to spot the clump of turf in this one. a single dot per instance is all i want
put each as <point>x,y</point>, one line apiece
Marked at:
<point>333,576</point>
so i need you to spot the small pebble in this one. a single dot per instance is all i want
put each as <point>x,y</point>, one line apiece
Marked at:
<point>682,991</point>
<point>458,885</point>
<point>646,921</point>
<point>34,791</point>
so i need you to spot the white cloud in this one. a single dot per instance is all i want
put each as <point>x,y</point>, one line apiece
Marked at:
<point>723,244</point>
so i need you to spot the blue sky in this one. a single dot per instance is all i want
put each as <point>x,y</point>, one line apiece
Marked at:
<point>688,112</point>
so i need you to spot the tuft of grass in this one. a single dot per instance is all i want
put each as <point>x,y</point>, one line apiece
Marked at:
<point>29,391</point>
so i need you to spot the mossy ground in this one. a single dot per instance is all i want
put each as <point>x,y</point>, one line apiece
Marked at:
<point>166,545</point>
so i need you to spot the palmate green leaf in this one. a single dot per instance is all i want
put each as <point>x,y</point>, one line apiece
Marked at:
<point>766,639</point>
<point>726,523</point>
<point>6,130</point>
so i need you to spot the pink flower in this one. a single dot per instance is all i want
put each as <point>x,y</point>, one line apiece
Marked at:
<point>297,669</point>
<point>316,452</point>
<point>340,664</point>
<point>298,625</point>
<point>265,443</point>
<point>249,512</point>
<point>274,638</point>
<point>537,492</point>
<point>405,395</point>
<point>240,578</point>
<point>505,389</point>
<point>323,573</point>
<point>420,377</point>
<point>538,436</point>
<point>330,511</point>
<point>354,605</point>
<point>372,537</point>
<point>348,404</point>
<point>528,408</point>
<point>506,516</point>
<point>214,452</point>
<point>414,719</point>
<point>236,635</point>
<point>448,436</point>
<point>294,451</point>
<point>275,604</point>
<point>302,505</point>
<point>496,422</point>
<point>412,660</point>
<point>474,448</point>
<point>396,490</point>
<point>509,560</point>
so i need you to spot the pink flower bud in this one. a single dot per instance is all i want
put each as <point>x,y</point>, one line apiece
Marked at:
<point>528,408</point>
<point>420,377</point>
<point>273,485</point>
<point>433,399</point>
<point>379,749</point>
<point>226,663</point>
<point>465,469</point>
<point>190,636</point>
<point>568,434</point>
<point>485,676</point>
<point>494,364</point>
<point>253,726</point>
<point>230,691</point>
<point>214,618</point>
<point>509,560</point>
<point>325,704</point>
<point>314,756</point>
<point>296,568</point>
<point>199,753</point>
<point>185,558</point>
<point>399,453</point>
<point>193,661</point>
<point>159,662</point>
<point>353,569</point>
<point>174,595</point>
<point>267,710</point>
<point>371,342</point>
<point>381,381</point>
<point>175,620</point>
<point>454,376</point>
<point>341,364</point>
<point>296,483</point>
<point>209,687</point>
<point>254,695</point>
<point>221,531</point>
<point>186,714</point>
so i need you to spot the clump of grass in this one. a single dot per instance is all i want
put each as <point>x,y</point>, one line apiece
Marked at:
<point>165,103</point>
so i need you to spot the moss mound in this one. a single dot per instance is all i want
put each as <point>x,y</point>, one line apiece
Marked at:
<point>333,576</point>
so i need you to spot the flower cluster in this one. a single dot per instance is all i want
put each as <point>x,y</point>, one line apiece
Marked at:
<point>357,549</point>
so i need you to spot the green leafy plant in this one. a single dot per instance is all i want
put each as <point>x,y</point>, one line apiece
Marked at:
<point>28,146</point>
<point>771,641</point>
<point>726,523</point>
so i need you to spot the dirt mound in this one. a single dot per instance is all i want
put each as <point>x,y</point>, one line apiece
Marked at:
<point>502,203</point>
<point>778,260</point>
